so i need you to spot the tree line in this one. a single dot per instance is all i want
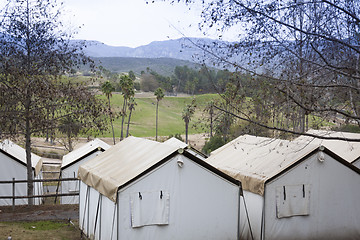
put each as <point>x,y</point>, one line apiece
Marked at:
<point>304,54</point>
<point>36,96</point>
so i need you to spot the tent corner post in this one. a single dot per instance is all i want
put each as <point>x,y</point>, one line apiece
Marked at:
<point>239,209</point>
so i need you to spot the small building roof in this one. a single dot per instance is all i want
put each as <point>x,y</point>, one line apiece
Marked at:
<point>254,160</point>
<point>19,154</point>
<point>83,151</point>
<point>348,150</point>
<point>128,160</point>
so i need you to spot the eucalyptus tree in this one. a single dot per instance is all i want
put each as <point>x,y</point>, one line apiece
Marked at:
<point>159,93</point>
<point>107,88</point>
<point>35,54</point>
<point>127,90</point>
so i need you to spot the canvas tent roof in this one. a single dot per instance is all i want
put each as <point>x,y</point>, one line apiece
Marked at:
<point>83,151</point>
<point>122,163</point>
<point>180,144</point>
<point>348,150</point>
<point>254,160</point>
<point>130,159</point>
<point>19,154</point>
<point>176,142</point>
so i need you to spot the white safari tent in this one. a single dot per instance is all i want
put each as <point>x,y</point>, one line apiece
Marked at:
<point>292,190</point>
<point>70,165</point>
<point>13,165</point>
<point>141,189</point>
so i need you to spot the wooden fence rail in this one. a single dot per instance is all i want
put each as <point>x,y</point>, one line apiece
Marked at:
<point>58,180</point>
<point>41,180</point>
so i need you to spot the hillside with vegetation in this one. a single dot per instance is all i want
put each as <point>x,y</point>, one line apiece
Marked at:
<point>163,66</point>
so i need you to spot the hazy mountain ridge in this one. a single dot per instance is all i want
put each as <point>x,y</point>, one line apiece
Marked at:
<point>160,56</point>
<point>179,49</point>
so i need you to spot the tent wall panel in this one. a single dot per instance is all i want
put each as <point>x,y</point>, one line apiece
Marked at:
<point>251,209</point>
<point>73,186</point>
<point>357,163</point>
<point>333,200</point>
<point>202,205</point>
<point>12,169</point>
<point>108,216</point>
<point>84,207</point>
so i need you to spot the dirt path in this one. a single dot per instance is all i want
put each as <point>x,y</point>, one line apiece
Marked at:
<point>39,213</point>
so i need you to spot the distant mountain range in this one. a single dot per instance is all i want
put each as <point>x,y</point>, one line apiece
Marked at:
<point>182,48</point>
<point>164,56</point>
<point>160,56</point>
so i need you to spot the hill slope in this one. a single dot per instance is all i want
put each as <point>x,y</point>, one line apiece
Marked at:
<point>163,66</point>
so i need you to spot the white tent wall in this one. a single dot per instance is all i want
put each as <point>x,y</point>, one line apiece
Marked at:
<point>106,222</point>
<point>356,163</point>
<point>331,191</point>
<point>108,216</point>
<point>251,210</point>
<point>38,189</point>
<point>10,169</point>
<point>73,186</point>
<point>83,206</point>
<point>88,210</point>
<point>202,205</point>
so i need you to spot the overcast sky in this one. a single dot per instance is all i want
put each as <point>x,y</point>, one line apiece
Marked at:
<point>131,23</point>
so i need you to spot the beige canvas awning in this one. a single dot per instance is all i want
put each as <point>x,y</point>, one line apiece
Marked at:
<point>122,163</point>
<point>253,160</point>
<point>348,150</point>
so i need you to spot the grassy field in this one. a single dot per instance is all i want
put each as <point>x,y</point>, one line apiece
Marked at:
<point>40,230</point>
<point>143,119</point>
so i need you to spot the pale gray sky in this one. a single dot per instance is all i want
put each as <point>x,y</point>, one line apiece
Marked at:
<point>132,23</point>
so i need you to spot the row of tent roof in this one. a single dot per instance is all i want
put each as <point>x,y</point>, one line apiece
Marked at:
<point>251,188</point>
<point>14,166</point>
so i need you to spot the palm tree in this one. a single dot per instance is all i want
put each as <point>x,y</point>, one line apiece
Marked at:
<point>159,93</point>
<point>107,88</point>
<point>187,114</point>
<point>131,105</point>
<point>127,90</point>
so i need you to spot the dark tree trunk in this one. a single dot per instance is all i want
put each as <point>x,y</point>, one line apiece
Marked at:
<point>128,125</point>
<point>30,183</point>
<point>111,120</point>
<point>156,127</point>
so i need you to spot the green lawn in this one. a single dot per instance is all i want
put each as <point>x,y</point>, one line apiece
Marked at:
<point>170,109</point>
<point>170,121</point>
